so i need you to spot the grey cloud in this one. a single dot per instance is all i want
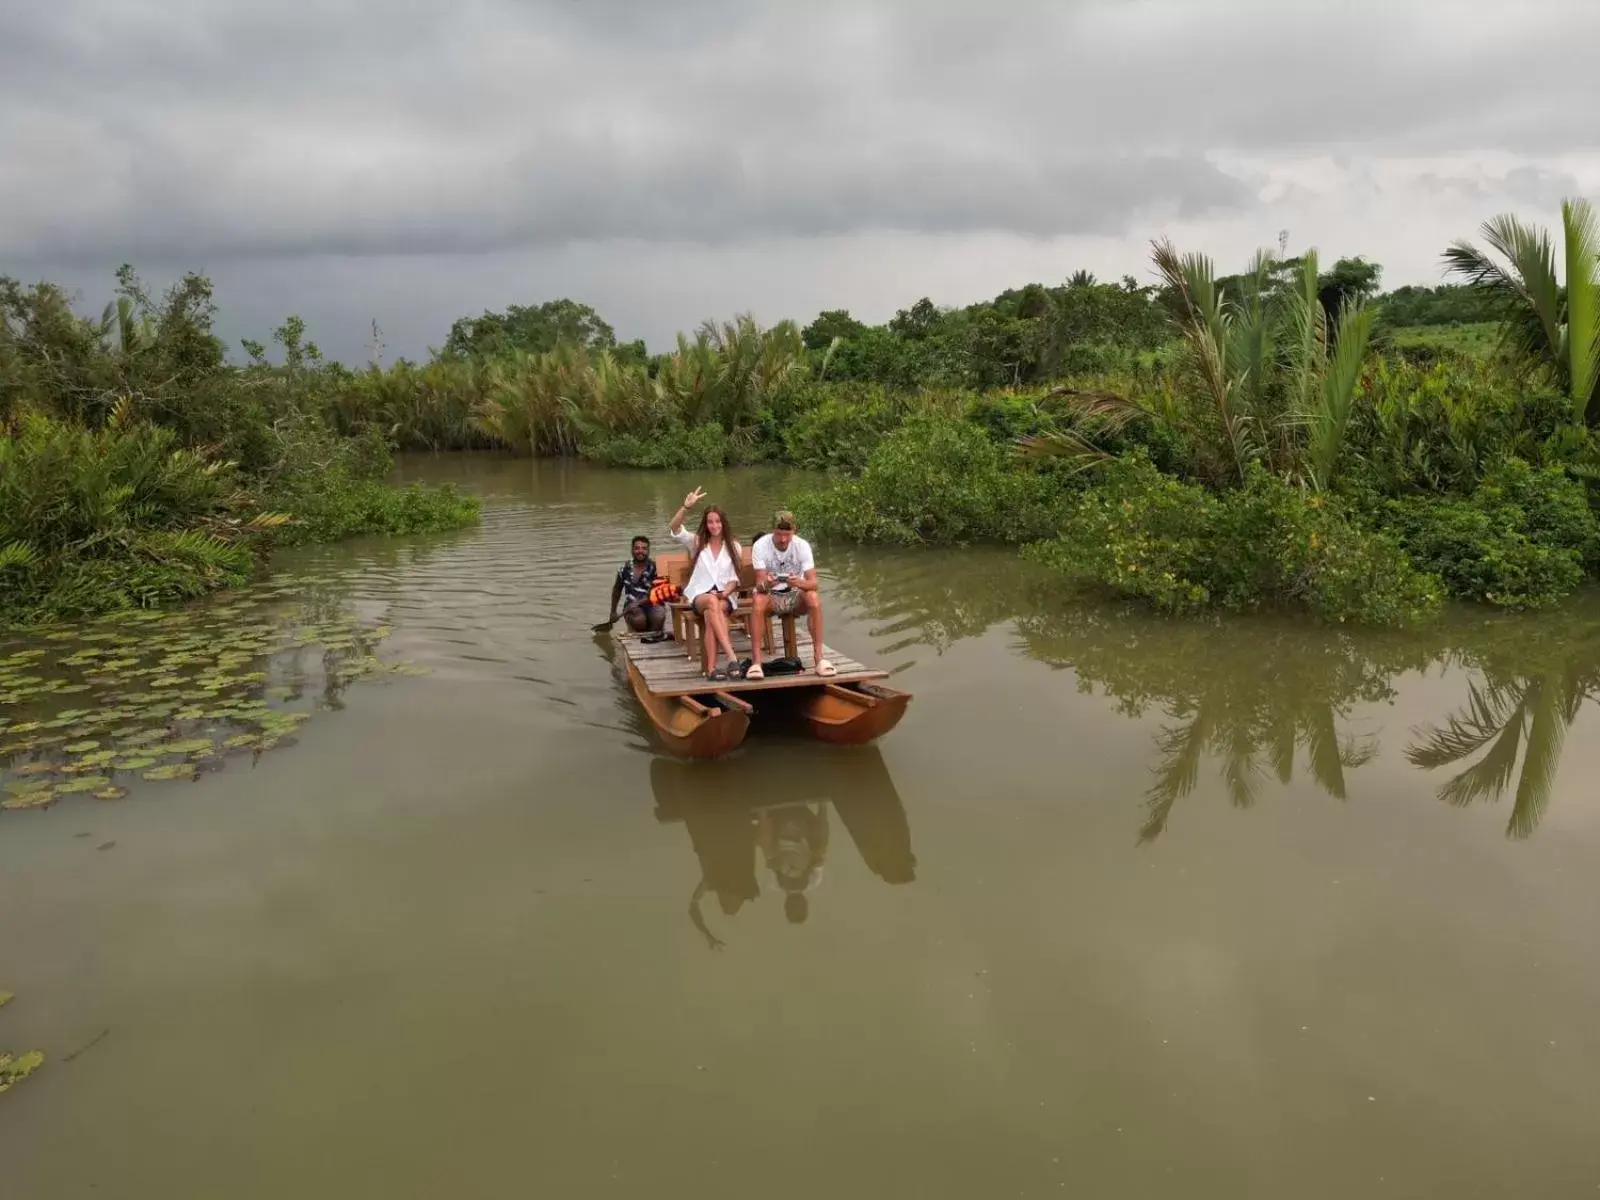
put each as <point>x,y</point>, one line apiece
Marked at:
<point>202,206</point>
<point>269,140</point>
<point>1535,186</point>
<point>1540,187</point>
<point>364,127</point>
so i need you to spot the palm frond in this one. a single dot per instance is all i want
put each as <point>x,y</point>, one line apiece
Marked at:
<point>1308,339</point>
<point>1181,748</point>
<point>1066,444</point>
<point>17,554</point>
<point>1488,778</point>
<point>1331,418</point>
<point>1240,770</point>
<point>1524,289</point>
<point>1204,319</point>
<point>1283,747</point>
<point>1489,708</point>
<point>1546,733</point>
<point>1091,413</point>
<point>1322,747</point>
<point>1582,238</point>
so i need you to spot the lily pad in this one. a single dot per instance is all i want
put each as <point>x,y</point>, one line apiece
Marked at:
<point>88,783</point>
<point>144,737</point>
<point>81,747</point>
<point>134,764</point>
<point>111,793</point>
<point>171,771</point>
<point>36,798</point>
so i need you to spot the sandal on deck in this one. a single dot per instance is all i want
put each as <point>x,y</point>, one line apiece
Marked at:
<point>825,668</point>
<point>718,675</point>
<point>754,671</point>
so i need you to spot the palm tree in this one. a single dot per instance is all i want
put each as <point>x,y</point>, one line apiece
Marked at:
<point>1554,329</point>
<point>1325,363</point>
<point>1265,373</point>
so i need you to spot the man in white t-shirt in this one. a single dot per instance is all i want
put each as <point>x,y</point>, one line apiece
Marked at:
<point>786,582</point>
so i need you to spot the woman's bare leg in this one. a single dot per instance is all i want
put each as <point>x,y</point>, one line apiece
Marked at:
<point>717,624</point>
<point>708,647</point>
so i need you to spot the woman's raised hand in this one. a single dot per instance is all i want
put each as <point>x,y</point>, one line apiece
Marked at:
<point>693,498</point>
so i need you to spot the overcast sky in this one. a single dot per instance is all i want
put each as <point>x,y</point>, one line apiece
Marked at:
<point>670,160</point>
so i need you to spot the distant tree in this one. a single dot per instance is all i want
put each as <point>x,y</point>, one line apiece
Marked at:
<point>834,323</point>
<point>921,320</point>
<point>297,352</point>
<point>1350,279</point>
<point>1447,304</point>
<point>535,330</point>
<point>632,354</point>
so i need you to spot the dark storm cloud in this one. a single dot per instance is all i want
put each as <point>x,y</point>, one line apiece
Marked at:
<point>364,127</point>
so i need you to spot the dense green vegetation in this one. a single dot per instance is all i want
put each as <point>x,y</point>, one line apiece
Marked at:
<point>138,467</point>
<point>1287,436</point>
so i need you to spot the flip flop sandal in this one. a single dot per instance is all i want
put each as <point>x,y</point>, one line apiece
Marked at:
<point>755,672</point>
<point>825,668</point>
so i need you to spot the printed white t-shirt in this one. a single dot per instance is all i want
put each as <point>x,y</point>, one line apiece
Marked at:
<point>794,561</point>
<point>708,573</point>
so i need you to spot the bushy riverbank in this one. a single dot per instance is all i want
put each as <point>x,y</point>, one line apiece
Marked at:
<point>137,468</point>
<point>1284,437</point>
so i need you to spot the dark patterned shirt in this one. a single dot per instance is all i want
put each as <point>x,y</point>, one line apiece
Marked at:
<point>637,587</point>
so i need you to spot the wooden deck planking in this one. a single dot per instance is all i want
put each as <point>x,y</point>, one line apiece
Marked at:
<point>668,671</point>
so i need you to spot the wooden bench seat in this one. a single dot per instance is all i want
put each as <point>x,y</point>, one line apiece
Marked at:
<point>688,626</point>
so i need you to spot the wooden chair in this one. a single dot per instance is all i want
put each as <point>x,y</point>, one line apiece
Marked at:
<point>688,626</point>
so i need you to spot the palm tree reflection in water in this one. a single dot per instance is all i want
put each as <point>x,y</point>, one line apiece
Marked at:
<point>1509,710</point>
<point>1251,694</point>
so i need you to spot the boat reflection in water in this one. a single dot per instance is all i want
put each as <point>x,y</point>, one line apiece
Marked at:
<point>766,821</point>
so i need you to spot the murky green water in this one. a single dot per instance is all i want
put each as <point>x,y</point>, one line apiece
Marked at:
<point>1123,908</point>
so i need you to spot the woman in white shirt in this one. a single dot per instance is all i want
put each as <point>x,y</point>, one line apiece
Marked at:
<point>713,579</point>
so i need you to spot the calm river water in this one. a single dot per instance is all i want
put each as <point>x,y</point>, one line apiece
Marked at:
<point>1124,908</point>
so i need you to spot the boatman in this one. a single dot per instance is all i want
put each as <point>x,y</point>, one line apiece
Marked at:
<point>786,583</point>
<point>633,581</point>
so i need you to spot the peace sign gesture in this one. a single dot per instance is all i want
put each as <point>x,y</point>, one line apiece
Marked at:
<point>693,498</point>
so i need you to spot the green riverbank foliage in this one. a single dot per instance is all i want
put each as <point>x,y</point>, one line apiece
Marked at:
<point>138,467</point>
<point>1287,436</point>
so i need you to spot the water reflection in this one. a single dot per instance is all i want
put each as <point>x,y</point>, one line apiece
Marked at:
<point>762,823</point>
<point>1236,707</point>
<point>1253,699</point>
<point>932,598</point>
<point>1529,694</point>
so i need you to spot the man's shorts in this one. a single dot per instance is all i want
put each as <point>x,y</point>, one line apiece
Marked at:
<point>785,602</point>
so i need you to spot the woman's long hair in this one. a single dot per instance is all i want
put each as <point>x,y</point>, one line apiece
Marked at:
<point>702,537</point>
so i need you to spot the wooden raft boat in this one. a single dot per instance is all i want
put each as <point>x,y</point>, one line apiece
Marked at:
<point>701,719</point>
